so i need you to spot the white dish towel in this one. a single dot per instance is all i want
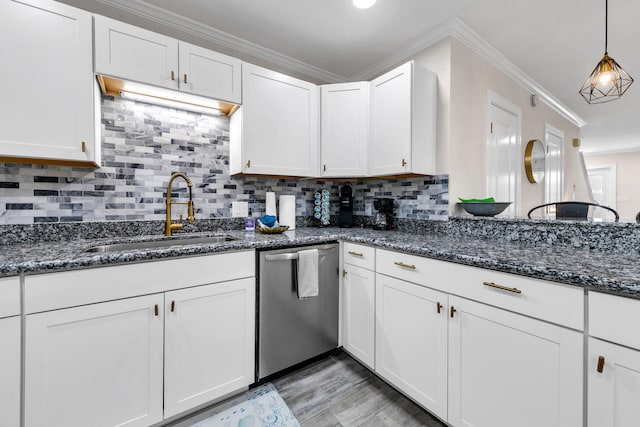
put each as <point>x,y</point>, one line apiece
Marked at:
<point>308,273</point>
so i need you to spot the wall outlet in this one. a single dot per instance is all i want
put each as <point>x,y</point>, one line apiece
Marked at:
<point>240,209</point>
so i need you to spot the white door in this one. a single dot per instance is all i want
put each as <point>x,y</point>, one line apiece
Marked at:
<point>211,74</point>
<point>554,165</point>
<point>133,53</point>
<point>95,365</point>
<point>411,341</point>
<point>509,370</point>
<point>614,392</point>
<point>280,124</point>
<point>602,180</point>
<point>344,129</point>
<point>390,149</point>
<point>46,81</point>
<point>503,154</point>
<point>10,361</point>
<point>359,317</point>
<point>209,343</point>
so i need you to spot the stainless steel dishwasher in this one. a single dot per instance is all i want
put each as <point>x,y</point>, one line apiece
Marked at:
<point>290,330</point>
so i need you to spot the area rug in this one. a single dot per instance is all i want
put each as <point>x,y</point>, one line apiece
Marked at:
<point>258,407</point>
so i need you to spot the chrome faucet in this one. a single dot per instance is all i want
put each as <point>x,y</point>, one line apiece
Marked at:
<point>168,225</point>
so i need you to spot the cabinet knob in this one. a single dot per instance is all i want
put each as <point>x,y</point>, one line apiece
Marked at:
<point>600,367</point>
<point>438,307</point>
<point>453,311</point>
<point>185,79</point>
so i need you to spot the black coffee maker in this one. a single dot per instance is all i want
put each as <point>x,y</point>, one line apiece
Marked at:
<point>384,218</point>
<point>345,219</point>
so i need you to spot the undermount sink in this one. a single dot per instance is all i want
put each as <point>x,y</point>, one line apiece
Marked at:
<point>168,242</point>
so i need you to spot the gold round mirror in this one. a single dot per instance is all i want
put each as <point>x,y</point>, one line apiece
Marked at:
<point>534,158</point>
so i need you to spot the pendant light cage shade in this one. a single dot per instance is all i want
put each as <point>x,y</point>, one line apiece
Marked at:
<point>607,82</point>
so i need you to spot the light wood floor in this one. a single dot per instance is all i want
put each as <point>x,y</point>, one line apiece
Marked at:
<point>338,391</point>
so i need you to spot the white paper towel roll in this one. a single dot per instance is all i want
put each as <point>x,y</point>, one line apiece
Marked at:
<point>288,211</point>
<point>271,204</point>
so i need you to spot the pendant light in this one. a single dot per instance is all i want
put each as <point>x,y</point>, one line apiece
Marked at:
<point>608,81</point>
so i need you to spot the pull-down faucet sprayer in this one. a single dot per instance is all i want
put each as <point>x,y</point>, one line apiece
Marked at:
<point>168,225</point>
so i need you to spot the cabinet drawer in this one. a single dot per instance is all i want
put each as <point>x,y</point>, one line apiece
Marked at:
<point>9,297</point>
<point>553,302</point>
<point>359,255</point>
<point>614,318</point>
<point>73,288</point>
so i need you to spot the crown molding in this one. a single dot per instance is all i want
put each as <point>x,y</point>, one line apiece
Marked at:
<point>454,28</point>
<point>177,22</point>
<point>440,32</point>
<point>462,32</point>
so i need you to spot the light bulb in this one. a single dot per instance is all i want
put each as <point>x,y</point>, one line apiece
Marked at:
<point>605,78</point>
<point>363,4</point>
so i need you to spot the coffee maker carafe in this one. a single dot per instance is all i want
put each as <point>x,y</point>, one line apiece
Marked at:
<point>384,218</point>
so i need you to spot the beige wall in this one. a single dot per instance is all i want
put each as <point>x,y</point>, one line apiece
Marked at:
<point>471,79</point>
<point>628,195</point>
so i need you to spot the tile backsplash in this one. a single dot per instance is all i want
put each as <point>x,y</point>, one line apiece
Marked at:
<point>142,144</point>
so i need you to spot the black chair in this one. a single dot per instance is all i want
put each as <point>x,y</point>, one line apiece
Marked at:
<point>576,211</point>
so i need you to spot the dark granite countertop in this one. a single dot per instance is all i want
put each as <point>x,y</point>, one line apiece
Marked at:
<point>597,270</point>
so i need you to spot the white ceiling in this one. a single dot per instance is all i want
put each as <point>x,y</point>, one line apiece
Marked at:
<point>556,43</point>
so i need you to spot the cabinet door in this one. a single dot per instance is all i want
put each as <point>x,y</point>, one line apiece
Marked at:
<point>390,150</point>
<point>510,370</point>
<point>95,365</point>
<point>358,299</point>
<point>10,371</point>
<point>47,108</point>
<point>411,341</point>
<point>344,129</point>
<point>209,343</point>
<point>133,53</point>
<point>211,74</point>
<point>613,393</point>
<point>279,124</point>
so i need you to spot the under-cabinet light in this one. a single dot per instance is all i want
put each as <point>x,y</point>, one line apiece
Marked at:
<point>363,4</point>
<point>171,99</point>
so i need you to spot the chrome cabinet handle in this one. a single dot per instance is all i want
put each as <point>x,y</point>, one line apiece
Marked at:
<point>402,264</point>
<point>504,288</point>
<point>355,253</point>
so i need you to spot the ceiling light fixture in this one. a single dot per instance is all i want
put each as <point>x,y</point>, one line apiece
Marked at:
<point>363,4</point>
<point>608,81</point>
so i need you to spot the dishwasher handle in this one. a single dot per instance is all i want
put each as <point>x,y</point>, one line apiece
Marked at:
<point>294,255</point>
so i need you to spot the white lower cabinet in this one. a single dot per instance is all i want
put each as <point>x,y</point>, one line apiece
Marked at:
<point>613,374</point>
<point>110,357</point>
<point>509,370</point>
<point>10,371</point>
<point>95,365</point>
<point>358,299</point>
<point>411,341</point>
<point>209,336</point>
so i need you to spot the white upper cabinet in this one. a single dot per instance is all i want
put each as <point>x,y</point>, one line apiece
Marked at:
<point>131,53</point>
<point>344,129</point>
<point>211,74</point>
<point>276,130</point>
<point>46,81</point>
<point>403,122</point>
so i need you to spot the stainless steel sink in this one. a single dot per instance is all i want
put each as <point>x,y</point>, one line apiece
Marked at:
<point>168,242</point>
